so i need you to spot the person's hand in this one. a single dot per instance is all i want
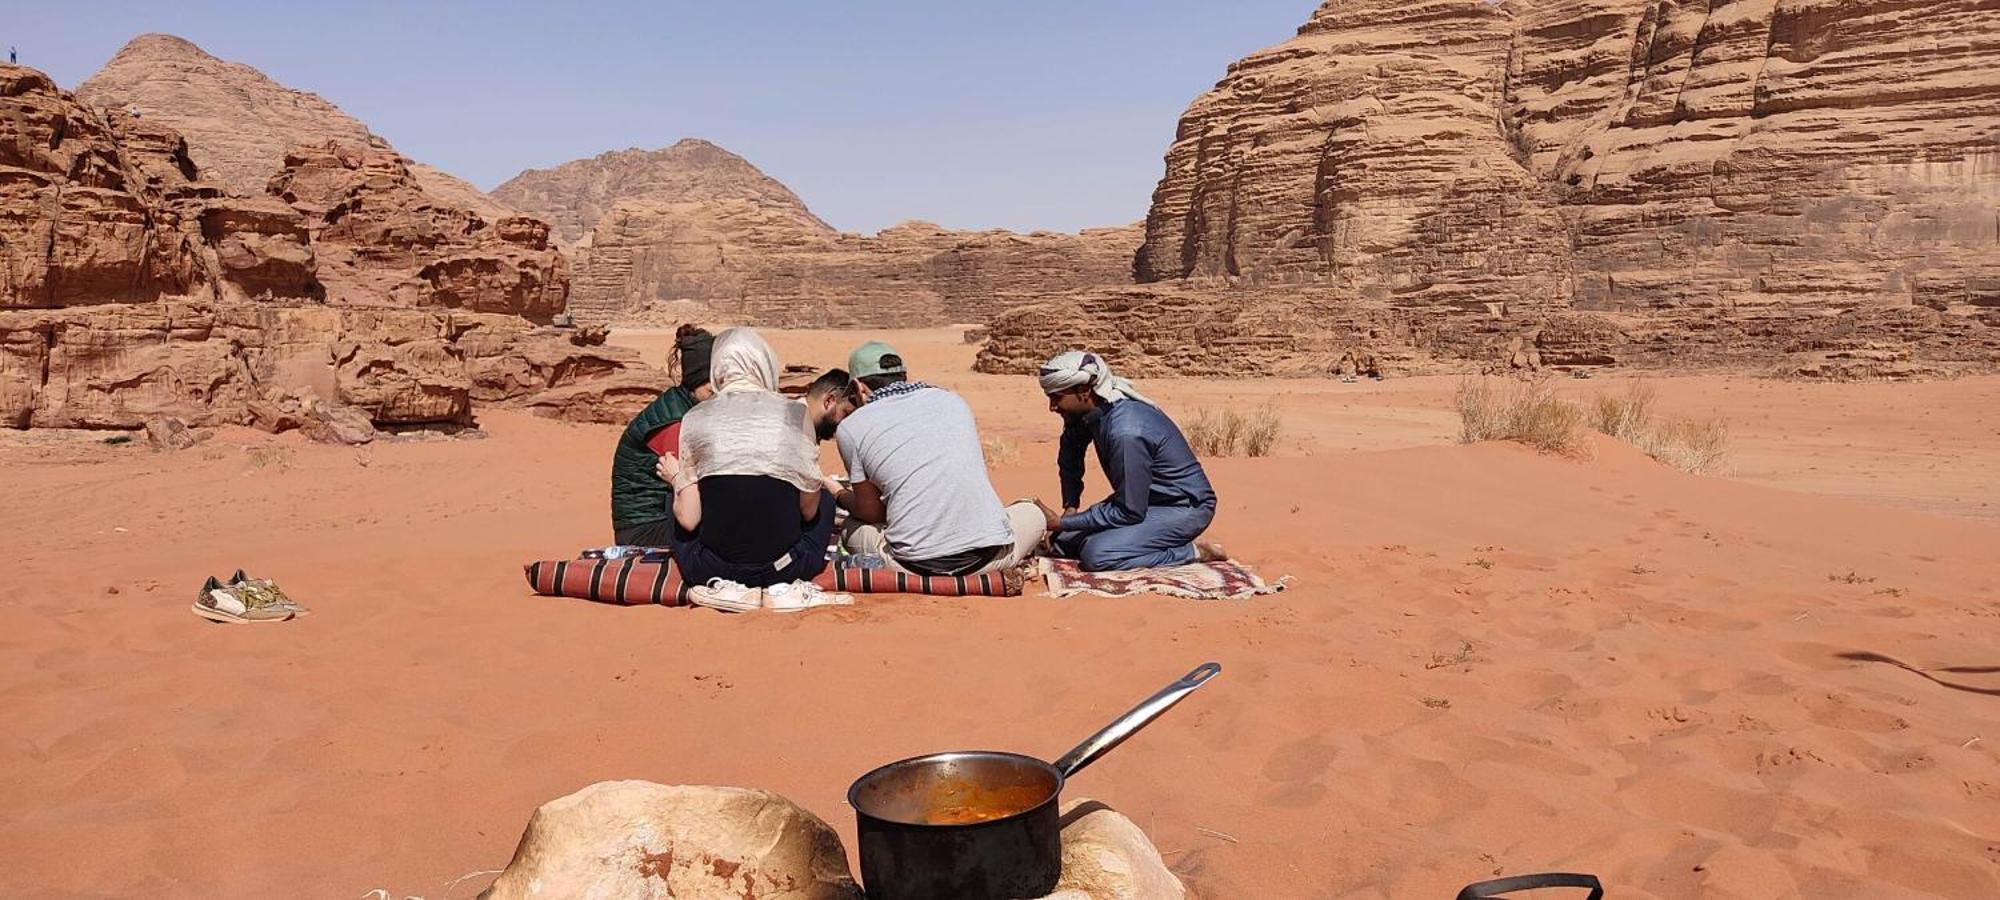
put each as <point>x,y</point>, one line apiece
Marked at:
<point>1051,516</point>
<point>832,484</point>
<point>668,468</point>
<point>1069,510</point>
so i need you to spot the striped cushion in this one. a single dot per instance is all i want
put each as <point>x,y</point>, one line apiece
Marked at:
<point>630,582</point>
<point>882,581</point>
<point>627,582</point>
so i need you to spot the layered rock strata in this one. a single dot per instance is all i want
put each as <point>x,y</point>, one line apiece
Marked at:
<point>1204,329</point>
<point>735,259</point>
<point>1773,170</point>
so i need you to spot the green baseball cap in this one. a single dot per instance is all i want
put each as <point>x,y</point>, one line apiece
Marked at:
<point>875,358</point>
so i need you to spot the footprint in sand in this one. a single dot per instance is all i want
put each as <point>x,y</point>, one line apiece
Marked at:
<point>1836,711</point>
<point>1293,767</point>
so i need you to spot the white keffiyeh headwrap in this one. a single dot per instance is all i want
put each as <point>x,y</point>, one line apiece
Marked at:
<point>1077,368</point>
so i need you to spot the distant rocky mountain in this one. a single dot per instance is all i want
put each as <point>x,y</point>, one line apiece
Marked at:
<point>238,122</point>
<point>576,195</point>
<point>700,231</point>
<point>1793,186</point>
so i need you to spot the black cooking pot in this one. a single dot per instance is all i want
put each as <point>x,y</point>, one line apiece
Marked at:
<point>980,825</point>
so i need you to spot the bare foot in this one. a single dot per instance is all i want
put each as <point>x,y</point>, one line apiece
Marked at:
<point>1207,551</point>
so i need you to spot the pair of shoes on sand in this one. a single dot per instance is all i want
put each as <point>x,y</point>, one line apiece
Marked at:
<point>244,600</point>
<point>792,596</point>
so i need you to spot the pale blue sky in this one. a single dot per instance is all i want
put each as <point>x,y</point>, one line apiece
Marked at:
<point>1026,114</point>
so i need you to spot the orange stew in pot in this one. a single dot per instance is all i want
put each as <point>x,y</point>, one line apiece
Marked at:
<point>969,802</point>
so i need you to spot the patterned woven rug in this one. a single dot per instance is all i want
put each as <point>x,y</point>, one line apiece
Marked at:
<point>1223,580</point>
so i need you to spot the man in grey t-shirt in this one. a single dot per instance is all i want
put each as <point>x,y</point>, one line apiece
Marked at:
<point>919,495</point>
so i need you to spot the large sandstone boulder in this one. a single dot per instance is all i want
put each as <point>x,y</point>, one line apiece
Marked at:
<point>261,248</point>
<point>635,839</point>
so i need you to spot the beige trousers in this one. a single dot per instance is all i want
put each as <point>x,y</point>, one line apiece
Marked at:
<point>1023,517</point>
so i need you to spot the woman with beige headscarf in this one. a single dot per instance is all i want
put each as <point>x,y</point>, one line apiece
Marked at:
<point>753,521</point>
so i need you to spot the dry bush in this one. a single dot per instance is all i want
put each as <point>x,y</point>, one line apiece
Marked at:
<point>1260,438</point>
<point>272,457</point>
<point>1696,446</point>
<point>1626,417</point>
<point>1208,434</point>
<point>1526,412</point>
<point>1226,433</point>
<point>1000,451</point>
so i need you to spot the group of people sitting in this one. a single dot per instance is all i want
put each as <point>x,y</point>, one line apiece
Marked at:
<point>723,471</point>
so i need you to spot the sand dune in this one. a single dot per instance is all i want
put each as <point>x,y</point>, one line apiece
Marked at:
<point>1494,661</point>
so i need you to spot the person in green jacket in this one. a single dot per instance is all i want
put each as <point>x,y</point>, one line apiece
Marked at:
<point>642,505</point>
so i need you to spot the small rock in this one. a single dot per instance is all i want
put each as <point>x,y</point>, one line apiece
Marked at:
<point>275,415</point>
<point>338,425</point>
<point>167,434</point>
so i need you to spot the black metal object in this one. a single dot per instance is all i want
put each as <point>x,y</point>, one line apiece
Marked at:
<point>907,855</point>
<point>905,858</point>
<point>1486,890</point>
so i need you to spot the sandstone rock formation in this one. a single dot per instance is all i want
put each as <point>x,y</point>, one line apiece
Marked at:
<point>1772,169</point>
<point>382,237</point>
<point>730,257</point>
<point>238,122</point>
<point>636,839</point>
<point>131,288</point>
<point>696,224</point>
<point>576,195</point>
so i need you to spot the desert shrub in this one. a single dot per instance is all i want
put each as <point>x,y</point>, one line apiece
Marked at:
<point>1206,434</point>
<point>1228,432</point>
<point>1260,438</point>
<point>1000,451</point>
<point>1697,446</point>
<point>1700,447</point>
<point>1526,412</point>
<point>1625,417</point>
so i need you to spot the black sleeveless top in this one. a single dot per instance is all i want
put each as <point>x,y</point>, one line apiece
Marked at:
<point>751,519</point>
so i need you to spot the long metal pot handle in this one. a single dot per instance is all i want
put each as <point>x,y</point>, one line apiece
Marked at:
<point>1129,724</point>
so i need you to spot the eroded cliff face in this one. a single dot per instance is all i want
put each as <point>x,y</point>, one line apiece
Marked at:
<point>704,231</point>
<point>132,288</point>
<point>744,261</point>
<point>1762,167</point>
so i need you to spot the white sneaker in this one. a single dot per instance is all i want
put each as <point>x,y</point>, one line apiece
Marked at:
<point>798,595</point>
<point>726,595</point>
